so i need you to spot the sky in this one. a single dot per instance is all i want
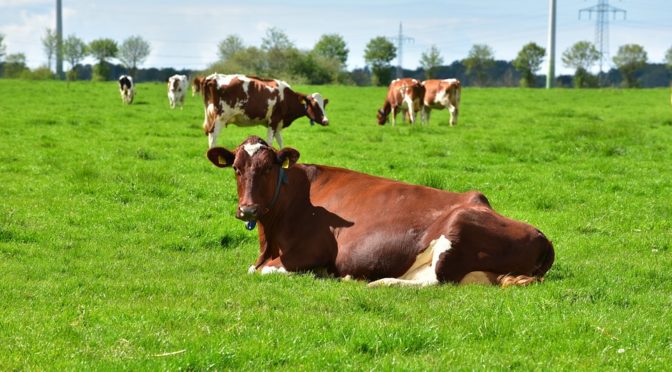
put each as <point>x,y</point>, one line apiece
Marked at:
<point>185,34</point>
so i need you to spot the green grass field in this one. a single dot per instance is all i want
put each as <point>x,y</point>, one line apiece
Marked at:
<point>119,248</point>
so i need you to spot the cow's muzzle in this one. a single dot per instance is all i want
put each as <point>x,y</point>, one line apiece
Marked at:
<point>325,122</point>
<point>248,212</point>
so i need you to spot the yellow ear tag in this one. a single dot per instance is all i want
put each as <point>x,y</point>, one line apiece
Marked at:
<point>221,160</point>
<point>285,164</point>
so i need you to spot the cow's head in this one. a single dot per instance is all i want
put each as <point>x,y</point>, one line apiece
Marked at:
<point>315,106</point>
<point>259,174</point>
<point>382,116</point>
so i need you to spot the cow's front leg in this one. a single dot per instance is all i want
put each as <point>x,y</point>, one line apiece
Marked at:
<point>274,266</point>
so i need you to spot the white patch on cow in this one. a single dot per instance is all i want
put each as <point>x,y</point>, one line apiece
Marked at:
<point>223,80</point>
<point>273,270</point>
<point>320,102</point>
<point>423,271</point>
<point>442,98</point>
<point>450,80</point>
<point>281,88</point>
<point>408,105</point>
<point>252,149</point>
<point>251,270</point>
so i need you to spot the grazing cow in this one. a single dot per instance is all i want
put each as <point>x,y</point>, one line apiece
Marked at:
<point>441,94</point>
<point>404,95</point>
<point>127,89</point>
<point>177,87</point>
<point>247,100</point>
<point>317,218</point>
<point>196,85</point>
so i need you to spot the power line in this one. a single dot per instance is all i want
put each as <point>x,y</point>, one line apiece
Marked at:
<point>602,10</point>
<point>400,39</point>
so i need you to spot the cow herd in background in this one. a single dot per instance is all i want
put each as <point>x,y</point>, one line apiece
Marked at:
<point>411,96</point>
<point>247,100</point>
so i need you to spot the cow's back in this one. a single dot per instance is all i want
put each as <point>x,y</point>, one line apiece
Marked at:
<point>388,218</point>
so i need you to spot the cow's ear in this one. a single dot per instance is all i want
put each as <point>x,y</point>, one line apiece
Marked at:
<point>326,101</point>
<point>288,157</point>
<point>221,157</point>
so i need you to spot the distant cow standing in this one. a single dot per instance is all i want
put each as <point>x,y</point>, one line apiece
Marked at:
<point>246,101</point>
<point>127,89</point>
<point>196,85</point>
<point>177,87</point>
<point>316,218</point>
<point>404,95</point>
<point>441,94</point>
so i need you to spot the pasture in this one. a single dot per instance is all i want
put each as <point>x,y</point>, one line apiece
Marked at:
<point>119,248</point>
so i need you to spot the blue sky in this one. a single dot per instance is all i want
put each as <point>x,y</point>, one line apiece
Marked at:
<point>184,34</point>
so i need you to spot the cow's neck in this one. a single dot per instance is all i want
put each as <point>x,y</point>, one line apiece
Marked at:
<point>296,107</point>
<point>292,203</point>
<point>387,107</point>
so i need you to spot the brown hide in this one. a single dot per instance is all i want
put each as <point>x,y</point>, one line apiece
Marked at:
<point>369,227</point>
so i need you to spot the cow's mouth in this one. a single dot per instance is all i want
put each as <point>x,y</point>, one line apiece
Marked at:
<point>248,213</point>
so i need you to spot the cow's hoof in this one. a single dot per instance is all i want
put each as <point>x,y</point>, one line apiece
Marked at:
<point>252,270</point>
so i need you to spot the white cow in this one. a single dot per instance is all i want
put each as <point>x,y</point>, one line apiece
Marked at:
<point>127,89</point>
<point>177,87</point>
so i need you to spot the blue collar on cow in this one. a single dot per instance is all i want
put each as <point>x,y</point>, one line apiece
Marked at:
<point>305,105</point>
<point>282,179</point>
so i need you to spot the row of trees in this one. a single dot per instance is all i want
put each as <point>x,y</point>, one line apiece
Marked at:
<point>278,56</point>
<point>132,53</point>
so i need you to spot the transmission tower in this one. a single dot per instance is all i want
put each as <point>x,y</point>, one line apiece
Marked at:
<point>400,40</point>
<point>602,10</point>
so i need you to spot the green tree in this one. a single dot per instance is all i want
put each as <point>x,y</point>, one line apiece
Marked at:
<point>15,65</point>
<point>668,57</point>
<point>102,50</point>
<point>430,60</point>
<point>629,59</point>
<point>378,54</point>
<point>478,61</point>
<point>229,46</point>
<point>133,52</point>
<point>332,46</point>
<point>74,51</point>
<point>528,63</point>
<point>49,44</point>
<point>581,56</point>
<point>281,54</point>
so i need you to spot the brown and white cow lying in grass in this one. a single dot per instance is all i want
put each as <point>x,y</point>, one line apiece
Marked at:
<point>247,100</point>
<point>317,218</point>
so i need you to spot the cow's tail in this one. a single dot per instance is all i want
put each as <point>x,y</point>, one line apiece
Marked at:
<point>458,91</point>
<point>211,114</point>
<point>546,259</point>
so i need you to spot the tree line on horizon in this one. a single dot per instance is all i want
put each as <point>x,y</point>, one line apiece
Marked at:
<point>325,63</point>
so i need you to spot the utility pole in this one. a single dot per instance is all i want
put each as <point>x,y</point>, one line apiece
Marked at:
<point>550,75</point>
<point>59,40</point>
<point>602,26</point>
<point>400,39</point>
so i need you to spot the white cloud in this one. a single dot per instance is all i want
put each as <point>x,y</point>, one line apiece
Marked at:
<point>23,3</point>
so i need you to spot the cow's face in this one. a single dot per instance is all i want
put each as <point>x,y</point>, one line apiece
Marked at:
<point>382,117</point>
<point>257,167</point>
<point>315,108</point>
